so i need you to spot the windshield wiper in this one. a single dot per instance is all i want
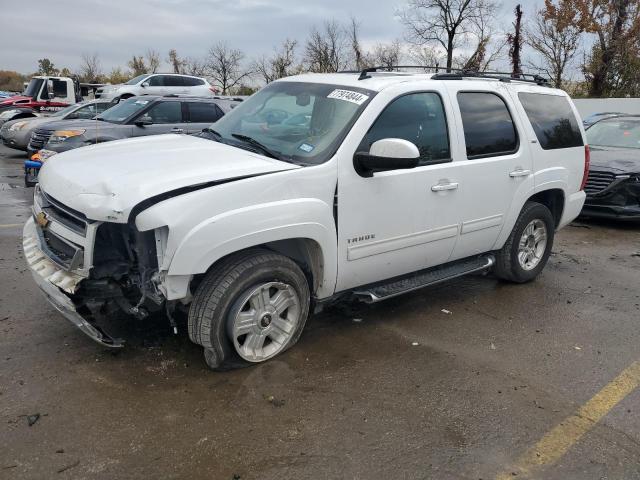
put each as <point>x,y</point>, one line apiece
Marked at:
<point>253,142</point>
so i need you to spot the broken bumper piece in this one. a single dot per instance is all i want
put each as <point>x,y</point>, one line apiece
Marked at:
<point>52,279</point>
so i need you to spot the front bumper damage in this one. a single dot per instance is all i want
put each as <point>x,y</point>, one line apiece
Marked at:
<point>57,285</point>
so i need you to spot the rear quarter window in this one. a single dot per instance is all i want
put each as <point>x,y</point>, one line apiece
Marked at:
<point>552,119</point>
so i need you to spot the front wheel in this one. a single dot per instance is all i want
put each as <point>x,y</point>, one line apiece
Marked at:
<point>250,308</point>
<point>526,251</point>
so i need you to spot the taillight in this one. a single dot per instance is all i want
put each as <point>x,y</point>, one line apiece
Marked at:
<point>587,161</point>
<point>213,89</point>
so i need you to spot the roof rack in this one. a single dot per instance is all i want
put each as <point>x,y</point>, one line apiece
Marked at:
<point>442,73</point>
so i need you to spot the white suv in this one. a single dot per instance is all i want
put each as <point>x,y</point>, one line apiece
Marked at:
<point>317,188</point>
<point>158,84</point>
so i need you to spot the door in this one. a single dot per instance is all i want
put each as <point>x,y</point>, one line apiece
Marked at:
<point>202,115</point>
<point>399,221</point>
<point>494,165</point>
<point>175,85</point>
<point>164,117</point>
<point>156,86</point>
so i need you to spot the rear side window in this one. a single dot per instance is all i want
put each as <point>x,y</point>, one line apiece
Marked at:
<point>488,127</point>
<point>552,119</point>
<point>201,112</point>
<point>192,82</point>
<point>418,118</point>
<point>173,81</point>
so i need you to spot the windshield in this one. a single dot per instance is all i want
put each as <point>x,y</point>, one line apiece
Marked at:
<point>33,88</point>
<point>123,110</point>
<point>64,111</point>
<point>617,133</point>
<point>296,121</point>
<point>137,79</point>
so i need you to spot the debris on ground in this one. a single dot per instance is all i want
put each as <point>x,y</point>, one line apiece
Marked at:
<point>32,419</point>
<point>276,402</point>
<point>357,320</point>
<point>415,344</point>
<point>68,467</point>
<point>577,347</point>
<point>634,254</point>
<point>445,311</point>
<point>492,346</point>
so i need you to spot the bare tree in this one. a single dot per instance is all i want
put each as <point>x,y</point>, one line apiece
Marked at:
<point>515,44</point>
<point>443,22</point>
<point>153,61</point>
<point>360,59</point>
<point>193,66</point>
<point>556,39</point>
<point>427,56</point>
<point>281,64</point>
<point>90,68</point>
<point>223,65</point>
<point>325,48</point>
<point>177,64</point>
<point>138,66</point>
<point>387,55</point>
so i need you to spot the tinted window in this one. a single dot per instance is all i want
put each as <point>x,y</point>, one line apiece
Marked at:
<point>201,112</point>
<point>488,126</point>
<point>192,82</point>
<point>156,81</point>
<point>418,118</point>
<point>165,112</point>
<point>173,81</point>
<point>552,119</point>
<point>123,110</point>
<point>137,79</point>
<point>87,111</point>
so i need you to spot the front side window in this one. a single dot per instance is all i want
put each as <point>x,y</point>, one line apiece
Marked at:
<point>299,122</point>
<point>615,133</point>
<point>157,81</point>
<point>164,112</point>
<point>418,118</point>
<point>489,130</point>
<point>552,119</point>
<point>87,111</point>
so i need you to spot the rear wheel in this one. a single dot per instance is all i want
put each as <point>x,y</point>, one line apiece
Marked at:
<point>526,251</point>
<point>250,308</point>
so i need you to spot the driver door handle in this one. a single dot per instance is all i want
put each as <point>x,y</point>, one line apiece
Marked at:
<point>177,130</point>
<point>520,173</point>
<point>441,187</point>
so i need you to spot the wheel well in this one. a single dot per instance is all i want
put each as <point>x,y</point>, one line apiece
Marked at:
<point>553,200</point>
<point>304,251</point>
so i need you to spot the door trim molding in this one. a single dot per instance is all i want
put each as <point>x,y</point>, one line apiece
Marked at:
<point>481,223</point>
<point>377,247</point>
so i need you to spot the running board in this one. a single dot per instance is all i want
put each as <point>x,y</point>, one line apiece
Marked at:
<point>424,278</point>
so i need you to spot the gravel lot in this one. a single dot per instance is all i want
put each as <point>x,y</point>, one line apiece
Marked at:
<point>454,382</point>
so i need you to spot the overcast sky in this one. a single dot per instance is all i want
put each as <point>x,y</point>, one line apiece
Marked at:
<point>115,29</point>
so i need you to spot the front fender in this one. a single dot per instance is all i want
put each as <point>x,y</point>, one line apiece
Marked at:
<point>197,248</point>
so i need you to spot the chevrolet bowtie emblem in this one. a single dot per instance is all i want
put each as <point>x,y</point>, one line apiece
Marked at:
<point>42,220</point>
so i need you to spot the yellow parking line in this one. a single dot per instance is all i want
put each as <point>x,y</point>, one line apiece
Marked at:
<point>11,225</point>
<point>556,442</point>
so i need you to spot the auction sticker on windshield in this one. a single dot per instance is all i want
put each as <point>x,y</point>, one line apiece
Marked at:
<point>348,96</point>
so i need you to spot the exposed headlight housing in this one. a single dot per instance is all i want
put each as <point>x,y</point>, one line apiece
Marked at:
<point>62,135</point>
<point>17,126</point>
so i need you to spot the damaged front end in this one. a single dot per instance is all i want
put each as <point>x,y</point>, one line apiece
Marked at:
<point>89,269</point>
<point>611,194</point>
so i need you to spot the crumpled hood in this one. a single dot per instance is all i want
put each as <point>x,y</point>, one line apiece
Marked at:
<point>106,181</point>
<point>617,160</point>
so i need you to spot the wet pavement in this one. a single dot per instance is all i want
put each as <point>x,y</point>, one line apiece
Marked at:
<point>453,382</point>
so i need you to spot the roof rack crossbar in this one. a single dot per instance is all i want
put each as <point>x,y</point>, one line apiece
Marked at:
<point>442,73</point>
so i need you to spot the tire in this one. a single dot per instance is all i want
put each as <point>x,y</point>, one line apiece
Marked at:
<point>248,309</point>
<point>521,260</point>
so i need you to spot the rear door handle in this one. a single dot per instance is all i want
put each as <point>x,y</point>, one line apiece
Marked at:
<point>441,187</point>
<point>177,130</point>
<point>520,173</point>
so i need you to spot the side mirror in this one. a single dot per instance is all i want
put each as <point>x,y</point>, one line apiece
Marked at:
<point>387,154</point>
<point>144,84</point>
<point>50,93</point>
<point>143,122</point>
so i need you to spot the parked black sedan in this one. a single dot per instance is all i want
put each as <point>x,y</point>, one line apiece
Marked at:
<point>613,185</point>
